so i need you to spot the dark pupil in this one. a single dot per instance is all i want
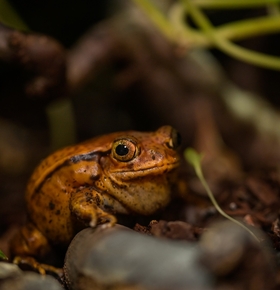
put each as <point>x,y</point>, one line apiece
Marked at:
<point>122,150</point>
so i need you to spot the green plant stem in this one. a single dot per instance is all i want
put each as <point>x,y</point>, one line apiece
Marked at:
<point>61,119</point>
<point>10,17</point>
<point>249,28</point>
<point>195,159</point>
<point>228,47</point>
<point>220,36</point>
<point>3,256</point>
<point>232,4</point>
<point>159,19</point>
<point>273,9</point>
<point>213,200</point>
<point>234,31</point>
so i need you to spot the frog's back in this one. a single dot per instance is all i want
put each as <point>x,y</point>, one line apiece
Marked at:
<point>65,156</point>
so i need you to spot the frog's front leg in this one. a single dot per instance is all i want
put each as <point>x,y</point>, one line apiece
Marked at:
<point>89,207</point>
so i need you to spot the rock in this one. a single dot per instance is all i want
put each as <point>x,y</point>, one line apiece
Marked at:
<point>236,259</point>
<point>11,277</point>
<point>8,270</point>
<point>119,258</point>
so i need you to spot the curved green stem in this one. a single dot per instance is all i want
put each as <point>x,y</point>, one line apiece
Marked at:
<point>3,256</point>
<point>194,159</point>
<point>248,28</point>
<point>178,31</point>
<point>159,19</point>
<point>62,123</point>
<point>228,47</point>
<point>234,31</point>
<point>10,17</point>
<point>232,4</point>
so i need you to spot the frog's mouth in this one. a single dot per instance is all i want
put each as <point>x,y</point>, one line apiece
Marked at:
<point>155,170</point>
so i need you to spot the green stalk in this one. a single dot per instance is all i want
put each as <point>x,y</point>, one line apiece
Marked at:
<point>10,17</point>
<point>159,19</point>
<point>3,256</point>
<point>61,119</point>
<point>232,4</point>
<point>248,28</point>
<point>178,31</point>
<point>195,159</point>
<point>234,50</point>
<point>234,31</point>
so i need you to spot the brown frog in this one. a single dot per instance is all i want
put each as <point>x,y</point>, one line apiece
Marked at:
<point>87,184</point>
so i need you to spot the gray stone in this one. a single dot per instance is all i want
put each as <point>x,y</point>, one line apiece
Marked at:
<point>122,258</point>
<point>31,281</point>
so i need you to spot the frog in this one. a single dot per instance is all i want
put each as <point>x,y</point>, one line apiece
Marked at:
<point>88,184</point>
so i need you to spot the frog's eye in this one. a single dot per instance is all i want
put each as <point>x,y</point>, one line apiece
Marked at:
<point>124,149</point>
<point>175,139</point>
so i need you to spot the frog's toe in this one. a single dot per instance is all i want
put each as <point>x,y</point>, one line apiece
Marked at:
<point>42,269</point>
<point>107,221</point>
<point>93,223</point>
<point>106,225</point>
<point>30,262</point>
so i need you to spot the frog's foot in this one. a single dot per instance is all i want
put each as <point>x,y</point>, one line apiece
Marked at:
<point>88,205</point>
<point>29,242</point>
<point>38,267</point>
